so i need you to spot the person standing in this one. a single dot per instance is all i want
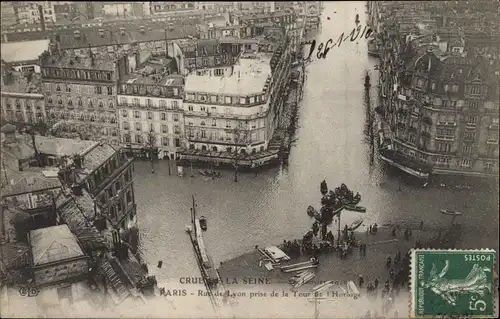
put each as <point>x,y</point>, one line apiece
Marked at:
<point>361,281</point>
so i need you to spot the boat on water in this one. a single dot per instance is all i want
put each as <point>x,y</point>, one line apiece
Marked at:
<point>323,187</point>
<point>450,212</point>
<point>354,208</point>
<point>203,223</point>
<point>355,225</point>
<point>367,81</point>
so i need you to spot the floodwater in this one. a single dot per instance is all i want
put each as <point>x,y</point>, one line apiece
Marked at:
<point>270,207</point>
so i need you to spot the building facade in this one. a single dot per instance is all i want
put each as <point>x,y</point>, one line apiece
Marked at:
<point>35,12</point>
<point>8,14</point>
<point>22,100</point>
<point>109,184</point>
<point>80,94</point>
<point>442,107</point>
<point>234,113</point>
<point>150,112</point>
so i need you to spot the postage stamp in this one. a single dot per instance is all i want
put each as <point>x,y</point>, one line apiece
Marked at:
<point>452,283</point>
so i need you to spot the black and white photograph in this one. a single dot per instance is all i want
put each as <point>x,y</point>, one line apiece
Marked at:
<point>249,159</point>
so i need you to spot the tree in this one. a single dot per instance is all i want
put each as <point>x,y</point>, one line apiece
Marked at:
<point>151,147</point>
<point>241,139</point>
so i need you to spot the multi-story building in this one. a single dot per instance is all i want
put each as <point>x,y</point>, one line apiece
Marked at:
<point>34,12</point>
<point>235,110</point>
<point>150,111</point>
<point>22,97</point>
<point>123,9</point>
<point>104,173</point>
<point>24,56</point>
<point>80,93</point>
<point>443,109</point>
<point>105,40</point>
<point>159,7</point>
<point>8,14</point>
<point>198,55</point>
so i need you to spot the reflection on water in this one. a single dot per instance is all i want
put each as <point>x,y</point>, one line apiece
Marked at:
<point>271,207</point>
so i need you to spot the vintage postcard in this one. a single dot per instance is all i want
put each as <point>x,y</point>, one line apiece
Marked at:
<point>234,159</point>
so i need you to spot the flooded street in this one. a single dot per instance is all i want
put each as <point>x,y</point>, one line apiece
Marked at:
<point>270,207</point>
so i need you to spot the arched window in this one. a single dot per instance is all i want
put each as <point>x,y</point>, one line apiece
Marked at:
<point>80,103</point>
<point>203,147</point>
<point>243,151</point>
<point>49,100</point>
<point>229,149</point>
<point>92,118</point>
<point>214,148</point>
<point>202,123</point>
<point>113,120</point>
<point>191,146</point>
<point>82,117</point>
<point>111,105</point>
<point>58,88</point>
<point>101,104</point>
<point>70,102</point>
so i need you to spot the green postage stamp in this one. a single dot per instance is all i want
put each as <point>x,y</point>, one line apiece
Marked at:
<point>452,283</point>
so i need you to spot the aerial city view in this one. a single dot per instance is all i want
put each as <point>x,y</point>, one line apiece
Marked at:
<point>245,159</point>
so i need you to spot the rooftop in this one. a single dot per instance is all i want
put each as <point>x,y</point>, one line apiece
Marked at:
<point>53,244</point>
<point>249,77</point>
<point>62,146</point>
<point>153,71</point>
<point>103,36</point>
<point>105,62</point>
<point>16,52</point>
<point>19,82</point>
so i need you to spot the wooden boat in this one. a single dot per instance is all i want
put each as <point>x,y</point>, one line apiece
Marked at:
<point>309,262</point>
<point>450,212</point>
<point>356,224</point>
<point>203,223</point>
<point>354,208</point>
<point>323,187</point>
<point>300,268</point>
<point>311,212</point>
<point>356,199</point>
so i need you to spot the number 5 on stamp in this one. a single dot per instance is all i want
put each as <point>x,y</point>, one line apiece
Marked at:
<point>452,283</point>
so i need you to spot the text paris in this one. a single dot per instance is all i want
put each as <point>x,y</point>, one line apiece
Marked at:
<point>322,49</point>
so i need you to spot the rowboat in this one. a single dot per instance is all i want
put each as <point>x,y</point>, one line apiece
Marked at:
<point>450,212</point>
<point>356,224</point>
<point>203,223</point>
<point>353,208</point>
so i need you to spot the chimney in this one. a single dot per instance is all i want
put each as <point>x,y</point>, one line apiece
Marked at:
<point>42,17</point>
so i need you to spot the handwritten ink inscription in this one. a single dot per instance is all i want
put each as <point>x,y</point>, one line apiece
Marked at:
<point>324,48</point>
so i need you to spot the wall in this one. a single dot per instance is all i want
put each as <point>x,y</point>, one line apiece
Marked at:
<point>64,271</point>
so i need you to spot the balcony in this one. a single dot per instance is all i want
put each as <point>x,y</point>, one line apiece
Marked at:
<point>470,126</point>
<point>492,141</point>
<point>447,123</point>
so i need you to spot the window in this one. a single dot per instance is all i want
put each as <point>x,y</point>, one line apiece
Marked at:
<point>136,102</point>
<point>190,97</point>
<point>214,122</point>
<point>138,139</point>
<point>471,119</point>
<point>150,115</point>
<point>176,117</point>
<point>163,116</point>
<point>190,108</point>
<point>243,100</point>
<point>175,104</point>
<point>228,124</point>
<point>124,113</point>
<point>149,103</point>
<point>164,141</point>
<point>163,103</point>
<point>252,100</point>
<point>454,88</point>
<point>137,114</point>
<point>470,136</point>
<point>213,98</point>
<point>68,88</point>
<point>80,102</point>
<point>218,72</point>
<point>227,99</point>
<point>202,98</point>
<point>466,163</point>
<point>101,104</point>
<point>98,90</point>
<point>110,90</point>
<point>58,88</point>
<point>164,128</point>
<point>138,126</point>
<point>177,129</point>
<point>473,104</point>
<point>129,195</point>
